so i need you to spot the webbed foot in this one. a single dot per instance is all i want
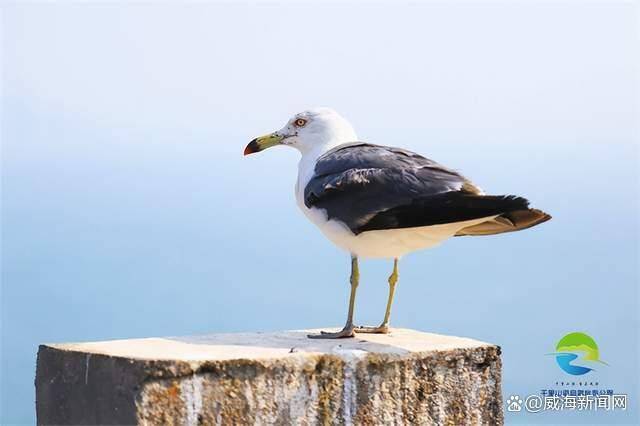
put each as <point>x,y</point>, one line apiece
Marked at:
<point>381,329</point>
<point>348,331</point>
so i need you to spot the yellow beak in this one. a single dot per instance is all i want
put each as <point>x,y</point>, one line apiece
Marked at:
<point>263,142</point>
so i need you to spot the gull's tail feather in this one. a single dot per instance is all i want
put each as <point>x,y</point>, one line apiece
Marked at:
<point>515,220</point>
<point>509,212</point>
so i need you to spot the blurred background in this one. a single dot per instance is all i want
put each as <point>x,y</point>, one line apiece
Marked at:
<point>129,211</point>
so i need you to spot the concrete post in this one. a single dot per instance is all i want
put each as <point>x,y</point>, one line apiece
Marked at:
<point>406,377</point>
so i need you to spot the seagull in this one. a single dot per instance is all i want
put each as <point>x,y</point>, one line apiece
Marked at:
<point>377,201</point>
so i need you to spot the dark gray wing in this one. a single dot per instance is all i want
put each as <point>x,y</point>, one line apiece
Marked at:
<point>371,187</point>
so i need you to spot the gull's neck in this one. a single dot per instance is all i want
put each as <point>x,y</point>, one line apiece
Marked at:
<point>318,149</point>
<point>311,153</point>
<point>332,136</point>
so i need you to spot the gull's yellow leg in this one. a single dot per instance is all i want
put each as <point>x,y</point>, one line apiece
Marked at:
<point>347,330</point>
<point>384,327</point>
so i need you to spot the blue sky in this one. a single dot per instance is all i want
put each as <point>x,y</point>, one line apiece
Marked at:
<point>128,209</point>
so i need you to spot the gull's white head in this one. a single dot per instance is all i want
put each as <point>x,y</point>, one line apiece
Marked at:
<point>315,130</point>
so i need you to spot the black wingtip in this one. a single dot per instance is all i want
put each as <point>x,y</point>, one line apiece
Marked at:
<point>514,202</point>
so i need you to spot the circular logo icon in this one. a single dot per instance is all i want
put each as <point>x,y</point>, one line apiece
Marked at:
<point>577,353</point>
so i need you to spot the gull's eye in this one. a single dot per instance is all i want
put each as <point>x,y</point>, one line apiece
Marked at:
<point>300,122</point>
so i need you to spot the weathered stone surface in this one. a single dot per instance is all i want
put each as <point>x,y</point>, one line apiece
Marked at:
<point>406,377</point>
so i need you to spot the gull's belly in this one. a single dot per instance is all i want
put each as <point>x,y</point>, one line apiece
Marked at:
<point>388,243</point>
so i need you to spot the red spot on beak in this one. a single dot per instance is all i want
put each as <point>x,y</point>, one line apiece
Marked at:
<point>252,147</point>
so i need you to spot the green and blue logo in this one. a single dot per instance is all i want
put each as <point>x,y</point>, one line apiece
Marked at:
<point>577,354</point>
